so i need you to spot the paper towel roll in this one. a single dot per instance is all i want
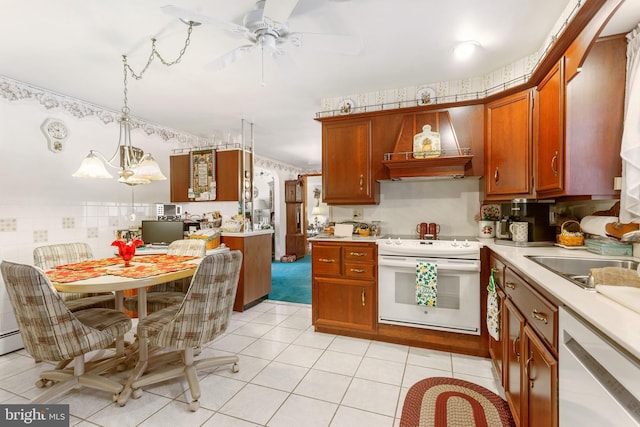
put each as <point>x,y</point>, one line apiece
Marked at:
<point>592,224</point>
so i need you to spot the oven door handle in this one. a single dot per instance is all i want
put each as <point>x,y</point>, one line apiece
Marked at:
<point>443,265</point>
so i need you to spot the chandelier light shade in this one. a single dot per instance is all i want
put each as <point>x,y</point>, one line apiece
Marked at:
<point>92,167</point>
<point>317,210</point>
<point>135,166</point>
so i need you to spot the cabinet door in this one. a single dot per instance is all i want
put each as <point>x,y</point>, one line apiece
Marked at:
<point>539,380</point>
<point>508,146</point>
<point>344,303</point>
<point>228,175</point>
<point>513,358</point>
<point>549,131</point>
<point>346,162</point>
<point>179,177</point>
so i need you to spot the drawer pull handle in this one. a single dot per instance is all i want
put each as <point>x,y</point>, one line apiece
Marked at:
<point>515,350</point>
<point>539,316</point>
<point>554,164</point>
<point>358,253</point>
<point>357,270</point>
<point>510,285</point>
<point>361,182</point>
<point>496,176</point>
<point>363,297</point>
<point>327,260</point>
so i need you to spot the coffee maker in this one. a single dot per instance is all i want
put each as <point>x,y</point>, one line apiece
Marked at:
<point>535,213</point>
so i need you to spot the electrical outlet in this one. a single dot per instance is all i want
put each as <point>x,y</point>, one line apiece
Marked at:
<point>357,213</point>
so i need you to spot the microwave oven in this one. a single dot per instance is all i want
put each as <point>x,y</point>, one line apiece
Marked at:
<point>168,211</point>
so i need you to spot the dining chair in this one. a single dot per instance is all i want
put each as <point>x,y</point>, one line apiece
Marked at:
<point>202,316</point>
<point>170,293</point>
<point>50,256</point>
<point>52,332</point>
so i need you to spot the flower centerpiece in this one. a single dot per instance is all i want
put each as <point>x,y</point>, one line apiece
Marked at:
<point>127,249</point>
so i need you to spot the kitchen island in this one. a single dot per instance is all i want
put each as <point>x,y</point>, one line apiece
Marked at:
<point>255,276</point>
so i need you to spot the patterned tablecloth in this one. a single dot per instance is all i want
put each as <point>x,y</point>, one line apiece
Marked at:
<point>151,265</point>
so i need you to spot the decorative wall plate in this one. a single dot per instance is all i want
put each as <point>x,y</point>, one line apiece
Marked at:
<point>346,106</point>
<point>426,96</point>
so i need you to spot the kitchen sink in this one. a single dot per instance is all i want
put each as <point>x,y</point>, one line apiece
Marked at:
<point>576,269</point>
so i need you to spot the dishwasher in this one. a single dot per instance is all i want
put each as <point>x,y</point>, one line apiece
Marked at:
<point>599,383</point>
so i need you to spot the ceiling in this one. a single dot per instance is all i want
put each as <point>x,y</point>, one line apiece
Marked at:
<point>74,47</point>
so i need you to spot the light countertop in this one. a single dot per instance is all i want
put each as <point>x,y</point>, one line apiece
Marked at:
<point>246,234</point>
<point>352,238</point>
<point>619,323</point>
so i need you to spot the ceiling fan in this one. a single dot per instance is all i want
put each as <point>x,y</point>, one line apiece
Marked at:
<point>266,28</point>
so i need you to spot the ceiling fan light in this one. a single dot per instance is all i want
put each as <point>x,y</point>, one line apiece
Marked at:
<point>149,169</point>
<point>465,50</point>
<point>92,167</point>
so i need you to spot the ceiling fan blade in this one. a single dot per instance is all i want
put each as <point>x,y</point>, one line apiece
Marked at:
<point>347,45</point>
<point>190,15</point>
<point>284,62</point>
<point>229,58</point>
<point>279,10</point>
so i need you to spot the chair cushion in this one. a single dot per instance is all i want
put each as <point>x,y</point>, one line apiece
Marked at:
<point>151,325</point>
<point>155,301</point>
<point>106,320</point>
<point>95,301</point>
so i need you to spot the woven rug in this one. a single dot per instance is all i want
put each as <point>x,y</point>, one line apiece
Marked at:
<point>449,402</point>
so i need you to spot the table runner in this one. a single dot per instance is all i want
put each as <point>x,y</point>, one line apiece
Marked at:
<point>147,270</point>
<point>66,276</point>
<point>163,258</point>
<point>90,264</point>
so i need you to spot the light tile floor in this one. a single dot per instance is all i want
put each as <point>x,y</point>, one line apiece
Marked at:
<point>289,376</point>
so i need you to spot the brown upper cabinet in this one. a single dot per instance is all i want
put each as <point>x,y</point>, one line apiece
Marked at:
<point>229,176</point>
<point>347,154</point>
<point>508,147</point>
<point>548,131</point>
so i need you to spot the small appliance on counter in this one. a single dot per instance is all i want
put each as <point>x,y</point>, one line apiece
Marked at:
<point>539,232</point>
<point>168,212</point>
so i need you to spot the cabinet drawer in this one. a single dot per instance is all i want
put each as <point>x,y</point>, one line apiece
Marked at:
<point>359,253</point>
<point>537,310</point>
<point>326,260</point>
<point>359,270</point>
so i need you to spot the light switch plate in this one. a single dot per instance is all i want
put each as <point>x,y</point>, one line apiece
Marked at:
<point>357,213</point>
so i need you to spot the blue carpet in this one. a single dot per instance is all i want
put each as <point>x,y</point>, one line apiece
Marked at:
<point>291,281</point>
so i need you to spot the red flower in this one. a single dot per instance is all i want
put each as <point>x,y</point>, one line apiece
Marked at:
<point>127,250</point>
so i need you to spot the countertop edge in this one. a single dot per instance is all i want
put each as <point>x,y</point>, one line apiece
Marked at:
<point>616,321</point>
<point>246,234</point>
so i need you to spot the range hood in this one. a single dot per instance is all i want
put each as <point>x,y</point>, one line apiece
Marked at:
<point>451,161</point>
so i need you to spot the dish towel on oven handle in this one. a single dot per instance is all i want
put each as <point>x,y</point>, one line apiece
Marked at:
<point>493,309</point>
<point>427,283</point>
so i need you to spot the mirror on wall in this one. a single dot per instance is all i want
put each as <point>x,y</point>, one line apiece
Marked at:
<point>317,212</point>
<point>263,182</point>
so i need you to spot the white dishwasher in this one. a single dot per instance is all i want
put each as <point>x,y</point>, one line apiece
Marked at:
<point>599,383</point>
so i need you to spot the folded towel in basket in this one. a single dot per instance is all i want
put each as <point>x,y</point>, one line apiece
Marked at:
<point>427,283</point>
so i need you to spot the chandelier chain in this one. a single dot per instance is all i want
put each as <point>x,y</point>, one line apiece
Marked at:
<point>152,55</point>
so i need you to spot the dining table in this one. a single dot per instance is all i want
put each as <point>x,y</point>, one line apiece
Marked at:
<point>111,275</point>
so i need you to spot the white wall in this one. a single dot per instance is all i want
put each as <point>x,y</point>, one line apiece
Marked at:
<point>404,204</point>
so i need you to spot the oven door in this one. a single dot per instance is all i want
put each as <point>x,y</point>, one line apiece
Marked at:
<point>458,295</point>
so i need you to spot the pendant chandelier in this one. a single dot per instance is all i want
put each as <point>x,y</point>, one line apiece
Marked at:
<point>135,166</point>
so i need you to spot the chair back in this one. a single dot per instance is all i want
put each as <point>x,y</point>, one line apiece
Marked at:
<point>206,309</point>
<point>47,257</point>
<point>190,247</point>
<point>49,330</point>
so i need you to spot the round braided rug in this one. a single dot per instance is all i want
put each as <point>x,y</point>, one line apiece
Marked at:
<point>448,402</point>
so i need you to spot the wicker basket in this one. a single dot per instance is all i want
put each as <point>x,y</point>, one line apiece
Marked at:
<point>570,238</point>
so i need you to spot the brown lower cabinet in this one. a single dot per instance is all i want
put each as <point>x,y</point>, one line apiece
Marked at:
<point>345,301</point>
<point>529,354</point>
